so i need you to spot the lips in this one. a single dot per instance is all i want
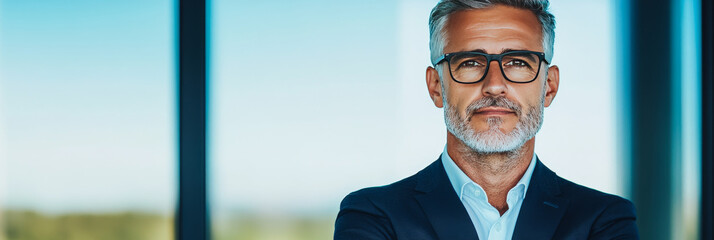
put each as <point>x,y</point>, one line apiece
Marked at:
<point>494,111</point>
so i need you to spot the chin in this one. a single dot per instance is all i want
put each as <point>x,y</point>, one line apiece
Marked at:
<point>492,124</point>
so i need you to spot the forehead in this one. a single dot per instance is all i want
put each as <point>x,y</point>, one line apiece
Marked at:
<point>493,30</point>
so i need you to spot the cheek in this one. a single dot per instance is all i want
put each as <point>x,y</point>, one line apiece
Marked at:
<point>459,103</point>
<point>531,97</point>
<point>461,96</point>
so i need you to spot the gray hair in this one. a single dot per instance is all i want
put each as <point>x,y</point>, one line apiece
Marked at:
<point>442,10</point>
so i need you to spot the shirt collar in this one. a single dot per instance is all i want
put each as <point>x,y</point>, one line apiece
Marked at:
<point>459,179</point>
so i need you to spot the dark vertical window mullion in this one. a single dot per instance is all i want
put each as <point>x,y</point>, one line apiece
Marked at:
<point>192,220</point>
<point>651,123</point>
<point>707,109</point>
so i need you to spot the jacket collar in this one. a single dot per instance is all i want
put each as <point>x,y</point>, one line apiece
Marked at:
<point>543,207</point>
<point>442,206</point>
<point>540,213</point>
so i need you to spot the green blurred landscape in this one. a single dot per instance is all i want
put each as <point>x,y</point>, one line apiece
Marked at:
<point>32,225</point>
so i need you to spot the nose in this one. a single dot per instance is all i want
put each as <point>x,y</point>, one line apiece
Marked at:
<point>494,83</point>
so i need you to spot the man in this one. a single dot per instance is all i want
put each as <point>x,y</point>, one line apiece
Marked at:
<point>491,74</point>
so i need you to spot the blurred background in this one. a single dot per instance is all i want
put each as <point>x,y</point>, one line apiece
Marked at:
<point>308,100</point>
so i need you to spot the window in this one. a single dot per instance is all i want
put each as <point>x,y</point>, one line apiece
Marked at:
<point>314,99</point>
<point>87,119</point>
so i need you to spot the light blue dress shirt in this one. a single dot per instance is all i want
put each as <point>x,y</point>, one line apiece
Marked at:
<point>489,224</point>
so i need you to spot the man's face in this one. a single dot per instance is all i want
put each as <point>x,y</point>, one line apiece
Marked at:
<point>493,115</point>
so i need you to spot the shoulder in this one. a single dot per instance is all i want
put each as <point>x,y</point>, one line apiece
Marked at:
<point>580,197</point>
<point>595,200</point>
<point>585,195</point>
<point>375,212</point>
<point>378,199</point>
<point>607,215</point>
<point>394,195</point>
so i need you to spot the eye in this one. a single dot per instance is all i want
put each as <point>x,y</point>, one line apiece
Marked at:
<point>517,63</point>
<point>469,63</point>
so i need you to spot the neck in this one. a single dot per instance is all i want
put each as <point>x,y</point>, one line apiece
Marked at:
<point>496,173</point>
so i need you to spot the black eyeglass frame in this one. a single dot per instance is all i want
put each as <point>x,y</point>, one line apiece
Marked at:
<point>489,58</point>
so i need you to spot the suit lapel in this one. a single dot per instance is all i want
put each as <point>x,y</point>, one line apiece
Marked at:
<point>442,206</point>
<point>542,209</point>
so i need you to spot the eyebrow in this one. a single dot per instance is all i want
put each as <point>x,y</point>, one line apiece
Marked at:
<point>502,50</point>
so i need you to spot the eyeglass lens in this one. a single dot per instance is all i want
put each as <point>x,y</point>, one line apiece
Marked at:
<point>517,67</point>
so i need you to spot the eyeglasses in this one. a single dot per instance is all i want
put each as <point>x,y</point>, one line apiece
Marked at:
<point>472,67</point>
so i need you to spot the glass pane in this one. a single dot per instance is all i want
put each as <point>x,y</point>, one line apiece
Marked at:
<point>87,133</point>
<point>314,99</point>
<point>579,137</point>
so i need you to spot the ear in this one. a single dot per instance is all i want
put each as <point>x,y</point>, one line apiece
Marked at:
<point>552,84</point>
<point>433,84</point>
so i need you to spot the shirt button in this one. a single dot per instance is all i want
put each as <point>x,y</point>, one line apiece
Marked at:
<point>498,226</point>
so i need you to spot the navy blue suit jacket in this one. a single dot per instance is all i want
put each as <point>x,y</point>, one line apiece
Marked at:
<point>425,206</point>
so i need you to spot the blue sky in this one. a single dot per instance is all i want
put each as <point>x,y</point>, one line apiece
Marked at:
<point>310,100</point>
<point>87,104</point>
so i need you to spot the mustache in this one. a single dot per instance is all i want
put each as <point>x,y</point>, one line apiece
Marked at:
<point>502,102</point>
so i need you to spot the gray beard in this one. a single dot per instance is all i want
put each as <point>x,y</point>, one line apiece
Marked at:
<point>492,140</point>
